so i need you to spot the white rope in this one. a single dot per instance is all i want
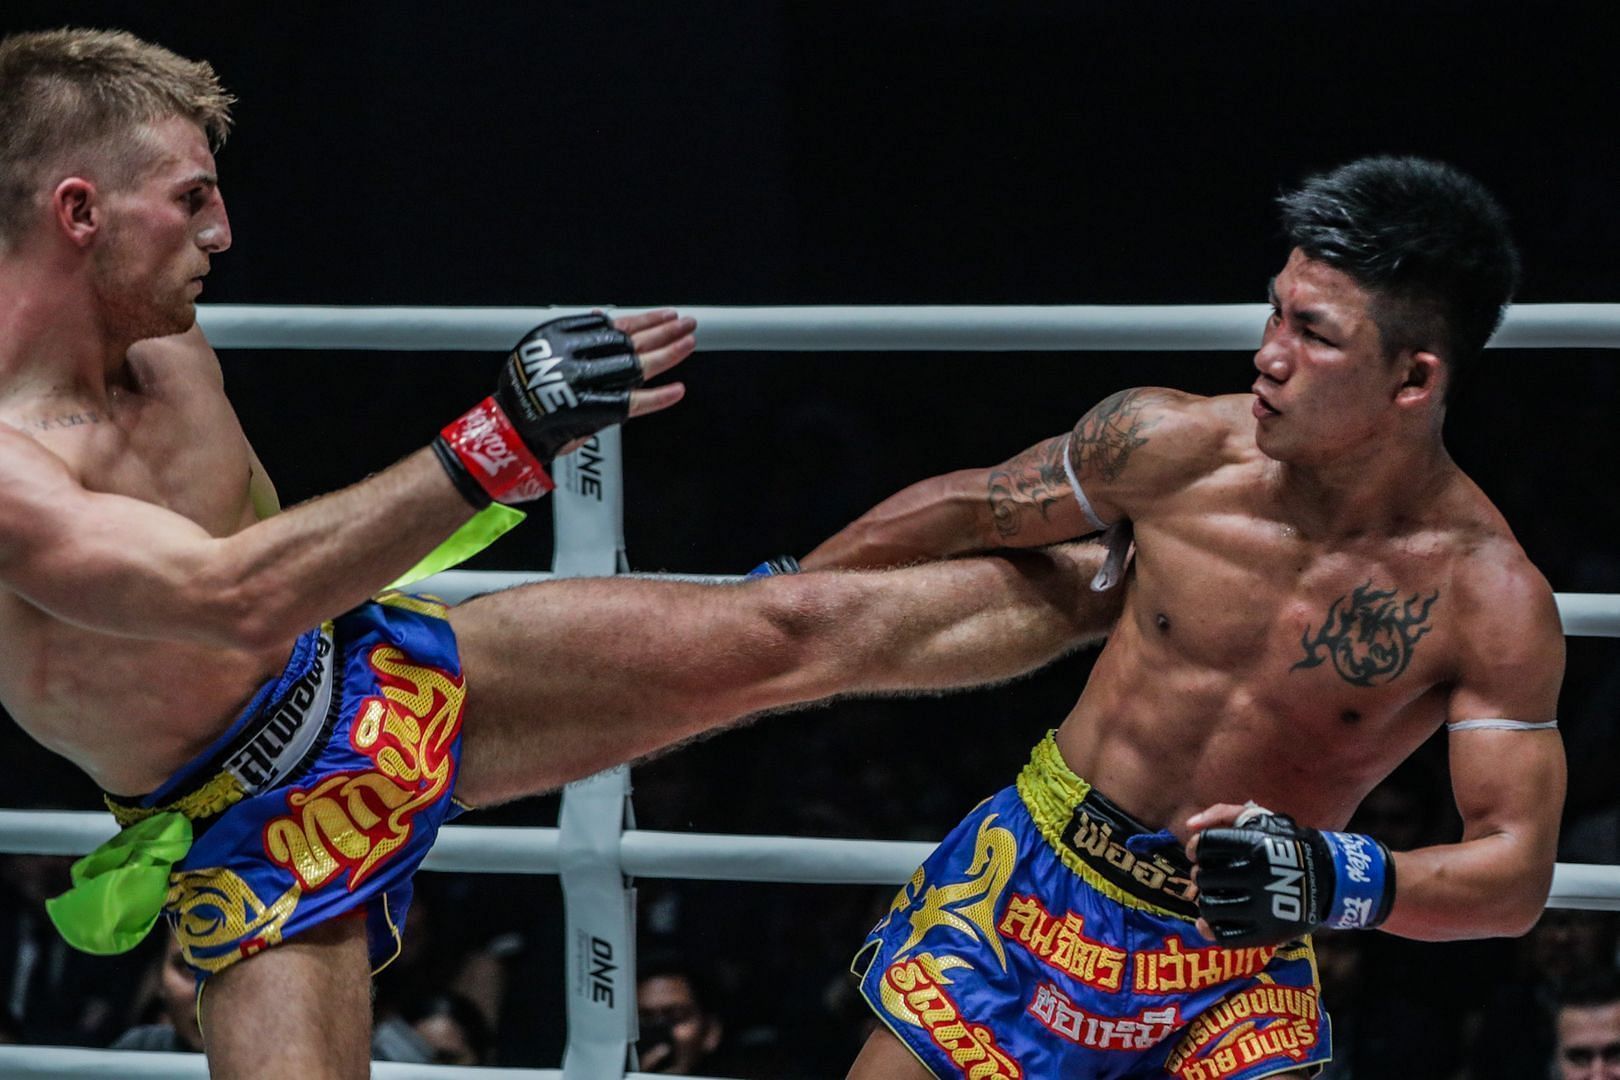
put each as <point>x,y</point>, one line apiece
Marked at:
<point>45,1062</point>
<point>1182,327</point>
<point>691,856</point>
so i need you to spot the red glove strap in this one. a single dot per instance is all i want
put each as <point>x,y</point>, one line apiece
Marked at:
<point>492,453</point>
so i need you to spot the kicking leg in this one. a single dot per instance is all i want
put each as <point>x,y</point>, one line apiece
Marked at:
<point>569,677</point>
<point>302,1008</point>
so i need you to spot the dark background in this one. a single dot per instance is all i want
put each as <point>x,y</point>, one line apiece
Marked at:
<point>797,153</point>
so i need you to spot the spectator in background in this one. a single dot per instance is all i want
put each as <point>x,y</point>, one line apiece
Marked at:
<point>452,1028</point>
<point>1588,1027</point>
<point>679,1029</point>
<point>53,993</point>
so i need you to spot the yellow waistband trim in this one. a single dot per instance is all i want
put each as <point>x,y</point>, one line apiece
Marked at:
<point>223,790</point>
<point>1051,791</point>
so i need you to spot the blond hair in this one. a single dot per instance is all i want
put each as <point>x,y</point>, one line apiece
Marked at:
<point>71,97</point>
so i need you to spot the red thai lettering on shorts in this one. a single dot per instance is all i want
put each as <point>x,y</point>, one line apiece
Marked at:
<point>971,1047</point>
<point>1176,969</point>
<point>1055,1009</point>
<point>1259,1024</point>
<point>1060,944</point>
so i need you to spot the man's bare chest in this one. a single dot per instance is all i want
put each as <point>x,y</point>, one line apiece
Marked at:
<point>1346,631</point>
<point>173,447</point>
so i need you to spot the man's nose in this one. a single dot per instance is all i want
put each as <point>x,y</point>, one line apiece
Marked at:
<point>215,236</point>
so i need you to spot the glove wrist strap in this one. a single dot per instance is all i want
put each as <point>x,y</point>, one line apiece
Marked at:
<point>491,456</point>
<point>1364,881</point>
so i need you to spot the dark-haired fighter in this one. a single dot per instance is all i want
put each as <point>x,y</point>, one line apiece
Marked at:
<point>1317,588</point>
<point>282,747</point>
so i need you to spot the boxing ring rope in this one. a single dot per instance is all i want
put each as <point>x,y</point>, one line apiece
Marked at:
<point>595,849</point>
<point>1197,327</point>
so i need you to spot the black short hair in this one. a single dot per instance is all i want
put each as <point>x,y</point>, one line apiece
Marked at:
<point>1427,240</point>
<point>1591,988</point>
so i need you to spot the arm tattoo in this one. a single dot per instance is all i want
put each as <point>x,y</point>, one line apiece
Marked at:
<point>1368,635</point>
<point>1105,437</point>
<point>1033,479</point>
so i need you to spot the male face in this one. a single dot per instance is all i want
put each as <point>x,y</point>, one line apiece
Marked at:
<point>667,1004</point>
<point>1326,387</point>
<point>1589,1042</point>
<point>157,234</point>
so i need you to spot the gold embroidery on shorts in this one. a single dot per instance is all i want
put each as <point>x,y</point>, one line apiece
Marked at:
<point>357,820</point>
<point>215,908</point>
<point>970,905</point>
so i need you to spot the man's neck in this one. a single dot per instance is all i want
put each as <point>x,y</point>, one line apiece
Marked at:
<point>1380,491</point>
<point>52,341</point>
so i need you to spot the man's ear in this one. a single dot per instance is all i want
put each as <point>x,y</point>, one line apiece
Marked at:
<point>76,209</point>
<point>1424,380</point>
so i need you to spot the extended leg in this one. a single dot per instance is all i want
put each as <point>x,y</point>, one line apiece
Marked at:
<point>302,1008</point>
<point>569,677</point>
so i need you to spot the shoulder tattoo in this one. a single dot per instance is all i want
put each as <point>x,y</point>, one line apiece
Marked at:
<point>1034,480</point>
<point>1107,436</point>
<point>1369,635</point>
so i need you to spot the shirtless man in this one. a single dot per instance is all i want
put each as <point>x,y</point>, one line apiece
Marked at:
<point>1317,588</point>
<point>281,749</point>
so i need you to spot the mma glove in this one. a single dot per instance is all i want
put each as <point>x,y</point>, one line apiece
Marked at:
<point>1266,880</point>
<point>566,379</point>
<point>782,564</point>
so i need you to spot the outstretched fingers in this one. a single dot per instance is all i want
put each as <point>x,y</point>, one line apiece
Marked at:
<point>661,339</point>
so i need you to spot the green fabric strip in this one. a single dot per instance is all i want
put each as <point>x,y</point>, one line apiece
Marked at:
<point>480,531</point>
<point>120,887</point>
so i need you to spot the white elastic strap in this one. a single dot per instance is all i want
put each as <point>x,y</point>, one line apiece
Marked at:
<point>1498,724</point>
<point>1074,482</point>
<point>1116,537</point>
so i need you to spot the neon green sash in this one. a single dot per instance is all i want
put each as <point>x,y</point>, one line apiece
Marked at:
<point>119,888</point>
<point>480,531</point>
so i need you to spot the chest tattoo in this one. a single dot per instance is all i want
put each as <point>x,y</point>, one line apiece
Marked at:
<point>68,420</point>
<point>1369,635</point>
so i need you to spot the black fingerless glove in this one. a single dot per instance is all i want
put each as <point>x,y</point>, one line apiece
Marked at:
<point>567,379</point>
<point>1267,880</point>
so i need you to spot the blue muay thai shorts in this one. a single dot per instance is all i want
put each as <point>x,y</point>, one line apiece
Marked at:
<point>1051,935</point>
<point>325,793</point>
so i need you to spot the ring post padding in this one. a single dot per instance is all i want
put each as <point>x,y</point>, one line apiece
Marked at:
<point>587,509</point>
<point>600,912</point>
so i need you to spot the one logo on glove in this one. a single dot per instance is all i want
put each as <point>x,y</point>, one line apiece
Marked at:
<point>1287,892</point>
<point>543,381</point>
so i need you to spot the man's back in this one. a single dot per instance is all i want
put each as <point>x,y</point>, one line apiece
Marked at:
<point>1261,655</point>
<point>127,710</point>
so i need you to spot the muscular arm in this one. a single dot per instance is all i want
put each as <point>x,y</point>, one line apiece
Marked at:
<point>1509,785</point>
<point>1026,501</point>
<point>123,566</point>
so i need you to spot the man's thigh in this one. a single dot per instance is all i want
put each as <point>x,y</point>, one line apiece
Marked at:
<point>301,1008</point>
<point>570,677</point>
